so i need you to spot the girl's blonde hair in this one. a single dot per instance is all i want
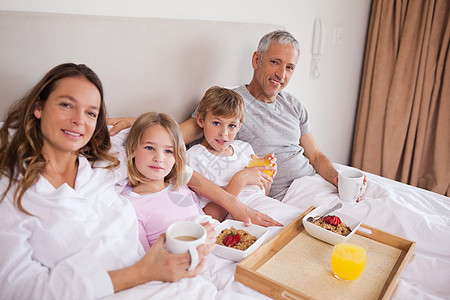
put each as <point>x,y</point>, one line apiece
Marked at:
<point>177,175</point>
<point>21,159</point>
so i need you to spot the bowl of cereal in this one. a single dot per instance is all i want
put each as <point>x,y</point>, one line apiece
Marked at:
<point>334,228</point>
<point>235,241</point>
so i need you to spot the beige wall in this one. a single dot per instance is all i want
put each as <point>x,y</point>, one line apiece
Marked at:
<point>331,99</point>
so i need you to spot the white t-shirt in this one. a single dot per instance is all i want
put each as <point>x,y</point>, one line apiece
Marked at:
<point>220,169</point>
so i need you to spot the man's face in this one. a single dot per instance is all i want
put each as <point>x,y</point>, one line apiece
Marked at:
<point>272,71</point>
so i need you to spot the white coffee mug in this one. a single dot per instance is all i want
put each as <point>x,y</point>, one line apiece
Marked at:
<point>186,236</point>
<point>351,185</point>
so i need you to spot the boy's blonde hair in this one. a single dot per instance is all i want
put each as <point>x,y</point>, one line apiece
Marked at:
<point>177,176</point>
<point>222,102</point>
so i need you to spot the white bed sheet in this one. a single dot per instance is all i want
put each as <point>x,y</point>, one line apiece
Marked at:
<point>409,212</point>
<point>412,213</point>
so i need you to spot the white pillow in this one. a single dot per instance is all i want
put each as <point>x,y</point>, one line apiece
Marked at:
<point>118,145</point>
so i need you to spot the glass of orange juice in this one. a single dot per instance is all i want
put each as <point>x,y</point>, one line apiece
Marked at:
<point>348,261</point>
<point>261,162</point>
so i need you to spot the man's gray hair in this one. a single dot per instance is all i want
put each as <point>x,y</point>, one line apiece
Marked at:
<point>277,37</point>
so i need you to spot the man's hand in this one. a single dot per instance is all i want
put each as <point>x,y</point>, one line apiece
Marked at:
<point>119,124</point>
<point>203,186</point>
<point>317,159</point>
<point>243,213</point>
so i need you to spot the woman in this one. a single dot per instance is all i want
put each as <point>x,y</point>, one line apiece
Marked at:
<point>63,235</point>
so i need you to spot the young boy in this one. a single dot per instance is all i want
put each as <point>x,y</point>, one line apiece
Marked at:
<point>220,157</point>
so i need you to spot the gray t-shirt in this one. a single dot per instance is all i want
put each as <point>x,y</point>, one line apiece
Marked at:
<point>277,127</point>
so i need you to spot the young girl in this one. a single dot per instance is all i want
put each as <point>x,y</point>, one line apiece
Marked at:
<point>157,176</point>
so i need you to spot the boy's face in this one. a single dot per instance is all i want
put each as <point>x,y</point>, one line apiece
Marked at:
<point>219,132</point>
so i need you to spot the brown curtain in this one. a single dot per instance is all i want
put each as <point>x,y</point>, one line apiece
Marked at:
<point>402,128</point>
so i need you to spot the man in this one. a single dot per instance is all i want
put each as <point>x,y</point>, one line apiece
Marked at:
<point>275,121</point>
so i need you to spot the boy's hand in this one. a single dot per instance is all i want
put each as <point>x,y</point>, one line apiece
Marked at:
<point>255,175</point>
<point>270,156</point>
<point>273,161</point>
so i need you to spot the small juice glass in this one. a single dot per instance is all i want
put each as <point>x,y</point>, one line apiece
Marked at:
<point>261,162</point>
<point>348,261</point>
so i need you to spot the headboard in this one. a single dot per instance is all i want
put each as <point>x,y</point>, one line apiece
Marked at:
<point>144,63</point>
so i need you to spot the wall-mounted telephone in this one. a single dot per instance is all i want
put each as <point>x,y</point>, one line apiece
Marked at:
<point>317,47</point>
<point>318,37</point>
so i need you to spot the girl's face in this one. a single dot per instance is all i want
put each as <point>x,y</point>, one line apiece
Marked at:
<point>69,116</point>
<point>154,156</point>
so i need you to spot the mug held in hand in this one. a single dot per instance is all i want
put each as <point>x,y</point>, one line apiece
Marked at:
<point>186,236</point>
<point>352,185</point>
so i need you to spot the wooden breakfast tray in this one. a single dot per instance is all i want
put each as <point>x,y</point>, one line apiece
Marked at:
<point>295,265</point>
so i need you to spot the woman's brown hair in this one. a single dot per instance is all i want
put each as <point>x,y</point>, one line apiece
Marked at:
<point>21,159</point>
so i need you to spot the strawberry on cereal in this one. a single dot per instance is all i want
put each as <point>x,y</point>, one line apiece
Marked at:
<point>333,224</point>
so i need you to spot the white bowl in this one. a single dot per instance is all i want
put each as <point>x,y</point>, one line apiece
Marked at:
<point>234,254</point>
<point>326,235</point>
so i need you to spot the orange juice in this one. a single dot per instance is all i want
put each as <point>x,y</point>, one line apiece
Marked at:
<point>261,162</point>
<point>348,261</point>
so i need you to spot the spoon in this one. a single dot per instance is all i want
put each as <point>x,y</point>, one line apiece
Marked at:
<point>335,207</point>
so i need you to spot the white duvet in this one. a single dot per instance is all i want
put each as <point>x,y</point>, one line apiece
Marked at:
<point>403,210</point>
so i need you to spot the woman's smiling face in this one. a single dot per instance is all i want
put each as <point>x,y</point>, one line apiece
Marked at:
<point>69,116</point>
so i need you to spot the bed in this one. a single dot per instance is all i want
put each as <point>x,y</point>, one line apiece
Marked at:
<point>412,213</point>
<point>32,43</point>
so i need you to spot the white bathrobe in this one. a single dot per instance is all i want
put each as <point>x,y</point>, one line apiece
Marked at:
<point>73,239</point>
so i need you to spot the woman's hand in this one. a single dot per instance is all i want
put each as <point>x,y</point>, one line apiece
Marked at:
<point>158,265</point>
<point>210,237</point>
<point>119,124</point>
<point>162,265</point>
